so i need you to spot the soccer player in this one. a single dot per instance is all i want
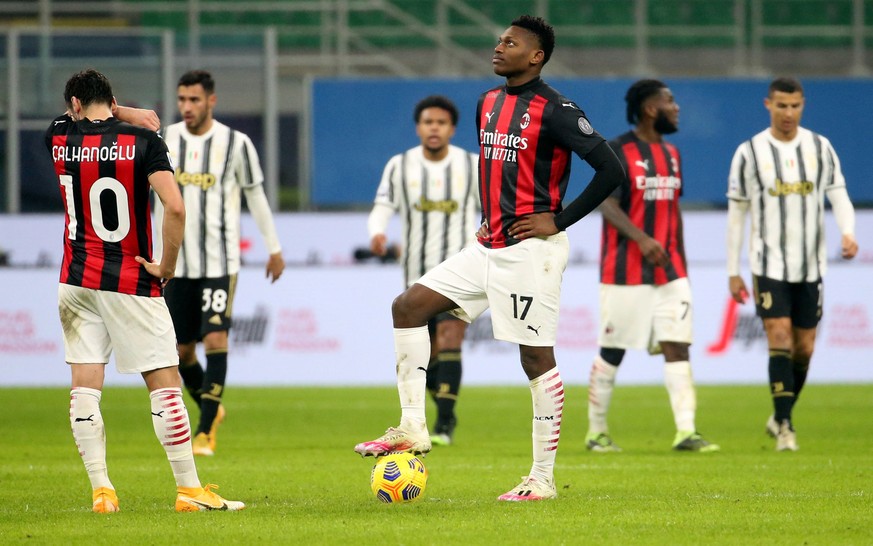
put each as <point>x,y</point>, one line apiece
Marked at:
<point>109,296</point>
<point>781,175</point>
<point>434,188</point>
<point>645,298</point>
<point>213,162</point>
<point>527,133</point>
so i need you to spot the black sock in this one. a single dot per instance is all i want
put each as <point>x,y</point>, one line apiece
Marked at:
<point>449,384</point>
<point>781,383</point>
<point>432,380</point>
<point>213,388</point>
<point>801,369</point>
<point>192,377</point>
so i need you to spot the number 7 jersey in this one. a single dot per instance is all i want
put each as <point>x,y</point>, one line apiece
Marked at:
<point>103,169</point>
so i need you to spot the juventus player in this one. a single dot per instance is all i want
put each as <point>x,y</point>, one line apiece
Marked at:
<point>782,175</point>
<point>527,131</point>
<point>434,188</point>
<point>645,297</point>
<point>109,295</point>
<point>213,162</point>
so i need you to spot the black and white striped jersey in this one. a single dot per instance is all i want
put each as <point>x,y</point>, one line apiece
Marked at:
<point>785,184</point>
<point>438,204</point>
<point>211,169</point>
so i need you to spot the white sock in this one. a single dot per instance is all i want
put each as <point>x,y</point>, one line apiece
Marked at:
<point>173,429</point>
<point>600,385</point>
<point>412,351</point>
<point>683,398</point>
<point>86,422</point>
<point>547,392</point>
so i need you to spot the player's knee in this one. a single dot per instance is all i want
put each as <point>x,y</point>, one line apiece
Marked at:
<point>612,355</point>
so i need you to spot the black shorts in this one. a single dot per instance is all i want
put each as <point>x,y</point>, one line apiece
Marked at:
<point>432,323</point>
<point>801,301</point>
<point>200,306</point>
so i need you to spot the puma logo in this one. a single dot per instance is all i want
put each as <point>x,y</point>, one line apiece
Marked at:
<point>488,115</point>
<point>422,369</point>
<point>535,330</point>
<point>159,414</point>
<point>79,419</point>
<point>642,163</point>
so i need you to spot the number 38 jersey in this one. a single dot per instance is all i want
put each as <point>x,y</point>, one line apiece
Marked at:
<point>103,170</point>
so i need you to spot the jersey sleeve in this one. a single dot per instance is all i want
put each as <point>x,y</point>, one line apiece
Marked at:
<point>157,155</point>
<point>623,189</point>
<point>741,173</point>
<point>59,126</point>
<point>248,166</point>
<point>568,125</point>
<point>388,192</point>
<point>832,164</point>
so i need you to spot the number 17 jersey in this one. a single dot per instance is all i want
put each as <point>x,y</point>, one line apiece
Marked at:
<point>103,169</point>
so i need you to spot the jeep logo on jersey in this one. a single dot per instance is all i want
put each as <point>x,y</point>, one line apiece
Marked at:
<point>787,188</point>
<point>585,126</point>
<point>203,180</point>
<point>525,121</point>
<point>426,205</point>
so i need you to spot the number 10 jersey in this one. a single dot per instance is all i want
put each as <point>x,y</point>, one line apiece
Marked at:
<point>103,169</point>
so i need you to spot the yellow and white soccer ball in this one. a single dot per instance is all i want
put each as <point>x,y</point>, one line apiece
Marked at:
<point>398,477</point>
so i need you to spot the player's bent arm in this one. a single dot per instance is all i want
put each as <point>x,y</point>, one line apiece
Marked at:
<point>173,225</point>
<point>137,116</point>
<point>607,177</point>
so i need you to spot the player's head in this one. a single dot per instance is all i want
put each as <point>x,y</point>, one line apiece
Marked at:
<point>195,98</point>
<point>435,120</point>
<point>89,87</point>
<point>785,103</point>
<point>651,101</point>
<point>525,47</point>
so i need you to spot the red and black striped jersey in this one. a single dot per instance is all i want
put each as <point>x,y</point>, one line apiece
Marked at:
<point>526,136</point>
<point>103,170</point>
<point>649,195</point>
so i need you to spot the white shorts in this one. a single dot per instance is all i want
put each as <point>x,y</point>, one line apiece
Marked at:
<point>521,284</point>
<point>96,322</point>
<point>641,316</point>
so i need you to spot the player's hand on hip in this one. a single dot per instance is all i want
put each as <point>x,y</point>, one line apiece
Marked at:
<point>275,266</point>
<point>484,231</point>
<point>738,289</point>
<point>155,269</point>
<point>534,225</point>
<point>849,246</point>
<point>654,252</point>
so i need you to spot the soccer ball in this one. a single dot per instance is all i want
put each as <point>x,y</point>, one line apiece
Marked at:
<point>398,477</point>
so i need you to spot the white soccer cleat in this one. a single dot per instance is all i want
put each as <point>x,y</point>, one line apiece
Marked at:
<point>530,489</point>
<point>395,440</point>
<point>786,440</point>
<point>772,427</point>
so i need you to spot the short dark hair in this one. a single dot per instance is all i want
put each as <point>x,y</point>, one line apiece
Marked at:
<point>436,101</point>
<point>637,93</point>
<point>544,32</point>
<point>90,87</point>
<point>785,84</point>
<point>194,77</point>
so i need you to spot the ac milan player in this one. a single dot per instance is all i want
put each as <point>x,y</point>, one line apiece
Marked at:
<point>645,298</point>
<point>109,297</point>
<point>527,133</point>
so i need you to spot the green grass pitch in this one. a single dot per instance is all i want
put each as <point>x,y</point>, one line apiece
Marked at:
<point>287,452</point>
